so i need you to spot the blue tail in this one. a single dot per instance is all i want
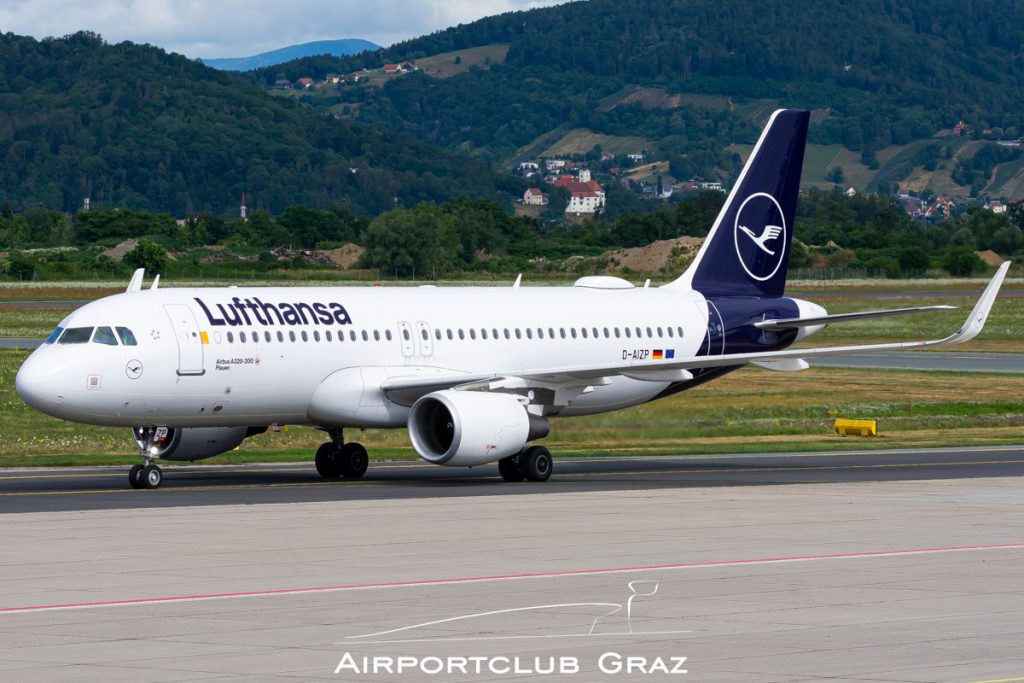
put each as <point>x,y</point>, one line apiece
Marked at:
<point>747,251</point>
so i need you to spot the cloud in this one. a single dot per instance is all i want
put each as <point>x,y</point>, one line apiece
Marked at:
<point>235,28</point>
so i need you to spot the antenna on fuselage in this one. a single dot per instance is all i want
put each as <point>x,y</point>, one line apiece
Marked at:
<point>136,282</point>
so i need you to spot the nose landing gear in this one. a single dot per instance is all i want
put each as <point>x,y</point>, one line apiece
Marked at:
<point>149,475</point>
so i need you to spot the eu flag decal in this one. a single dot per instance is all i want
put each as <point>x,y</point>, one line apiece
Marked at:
<point>670,354</point>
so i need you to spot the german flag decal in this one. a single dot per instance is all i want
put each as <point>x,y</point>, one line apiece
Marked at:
<point>658,354</point>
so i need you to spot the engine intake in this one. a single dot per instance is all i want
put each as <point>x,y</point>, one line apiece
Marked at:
<point>466,428</point>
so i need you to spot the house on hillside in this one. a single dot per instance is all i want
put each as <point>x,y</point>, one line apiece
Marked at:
<point>637,158</point>
<point>534,197</point>
<point>585,194</point>
<point>334,79</point>
<point>995,206</point>
<point>711,185</point>
<point>282,84</point>
<point>305,82</point>
<point>391,68</point>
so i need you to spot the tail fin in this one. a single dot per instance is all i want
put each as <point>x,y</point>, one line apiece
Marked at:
<point>747,251</point>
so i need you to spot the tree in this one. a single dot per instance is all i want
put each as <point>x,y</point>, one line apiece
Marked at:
<point>962,262</point>
<point>835,175</point>
<point>147,254</point>
<point>914,260</point>
<point>421,241</point>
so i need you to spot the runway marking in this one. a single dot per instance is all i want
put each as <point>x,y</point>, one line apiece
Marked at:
<point>492,477</point>
<point>174,599</point>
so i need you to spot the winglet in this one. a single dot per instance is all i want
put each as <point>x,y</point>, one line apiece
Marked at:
<point>136,282</point>
<point>519,280</point>
<point>156,281</point>
<point>976,320</point>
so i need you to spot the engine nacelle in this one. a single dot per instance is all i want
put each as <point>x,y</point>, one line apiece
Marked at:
<point>466,428</point>
<point>190,443</point>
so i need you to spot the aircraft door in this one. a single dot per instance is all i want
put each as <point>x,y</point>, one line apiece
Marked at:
<point>190,342</point>
<point>426,344</point>
<point>405,336</point>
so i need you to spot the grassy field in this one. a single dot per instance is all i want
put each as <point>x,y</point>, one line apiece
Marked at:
<point>581,141</point>
<point>443,65</point>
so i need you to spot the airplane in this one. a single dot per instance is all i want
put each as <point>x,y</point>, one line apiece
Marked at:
<point>474,373</point>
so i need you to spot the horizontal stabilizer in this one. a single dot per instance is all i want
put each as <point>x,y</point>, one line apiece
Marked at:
<point>789,323</point>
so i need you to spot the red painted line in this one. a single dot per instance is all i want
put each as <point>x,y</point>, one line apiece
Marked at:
<point>508,577</point>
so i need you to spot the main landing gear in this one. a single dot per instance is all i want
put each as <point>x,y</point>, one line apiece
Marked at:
<point>149,475</point>
<point>339,459</point>
<point>533,464</point>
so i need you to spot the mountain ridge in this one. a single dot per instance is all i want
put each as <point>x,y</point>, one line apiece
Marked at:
<point>336,48</point>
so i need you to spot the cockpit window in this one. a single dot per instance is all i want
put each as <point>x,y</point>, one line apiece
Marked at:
<point>76,335</point>
<point>127,338</point>
<point>104,335</point>
<point>53,335</point>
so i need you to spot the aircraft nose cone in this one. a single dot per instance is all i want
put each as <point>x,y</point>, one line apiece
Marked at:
<point>41,384</point>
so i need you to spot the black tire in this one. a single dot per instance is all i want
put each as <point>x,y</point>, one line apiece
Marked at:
<point>353,460</point>
<point>510,470</point>
<point>536,463</point>
<point>133,476</point>
<point>151,477</point>
<point>328,461</point>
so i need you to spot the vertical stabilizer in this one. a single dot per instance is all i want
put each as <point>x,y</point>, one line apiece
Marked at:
<point>746,253</point>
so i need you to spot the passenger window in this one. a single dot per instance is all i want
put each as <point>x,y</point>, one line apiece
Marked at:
<point>462,335</point>
<point>679,330</point>
<point>472,333</point>
<point>529,333</point>
<point>280,336</point>
<point>76,335</point>
<point>291,335</point>
<point>231,338</point>
<point>437,335</point>
<point>659,332</point>
<point>255,337</point>
<point>327,335</point>
<point>583,331</point>
<point>241,336</point>
<point>495,331</point>
<point>266,337</point>
<point>217,338</point>
<point>626,330</point>
<point>450,336</point>
<point>423,335</point>
<point>639,333</point>
<point>561,331</point>
<point>519,333</point>
<point>316,335</point>
<point>649,333</point>
<point>551,333</point>
<point>405,335</point>
<point>387,334</point>
<point>572,331</point>
<point>596,335</point>
<point>305,336</point>
<point>341,335</point>
<point>376,335</point>
<point>669,329</point>
<point>616,330</point>
<point>540,333</point>
<point>483,333</point>
<point>54,335</point>
<point>366,335</point>
<point>104,335</point>
<point>606,335</point>
<point>352,335</point>
<point>507,335</point>
<point>127,337</point>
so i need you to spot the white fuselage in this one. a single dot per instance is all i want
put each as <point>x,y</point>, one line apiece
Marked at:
<point>191,367</point>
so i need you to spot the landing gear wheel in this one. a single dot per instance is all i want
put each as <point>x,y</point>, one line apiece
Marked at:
<point>151,477</point>
<point>133,476</point>
<point>353,460</point>
<point>328,461</point>
<point>510,470</point>
<point>535,462</point>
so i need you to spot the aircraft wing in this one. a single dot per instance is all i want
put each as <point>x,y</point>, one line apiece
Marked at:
<point>577,379</point>
<point>788,323</point>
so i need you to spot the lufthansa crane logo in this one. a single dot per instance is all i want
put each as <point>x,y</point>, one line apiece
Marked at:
<point>760,236</point>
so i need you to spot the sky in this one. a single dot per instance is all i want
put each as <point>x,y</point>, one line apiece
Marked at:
<point>238,28</point>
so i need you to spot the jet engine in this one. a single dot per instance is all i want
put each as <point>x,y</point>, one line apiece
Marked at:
<point>466,428</point>
<point>190,443</point>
